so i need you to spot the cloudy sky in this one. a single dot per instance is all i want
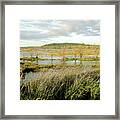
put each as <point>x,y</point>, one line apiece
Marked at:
<point>40,32</point>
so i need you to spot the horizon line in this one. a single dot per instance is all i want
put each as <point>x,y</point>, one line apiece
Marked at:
<point>58,43</point>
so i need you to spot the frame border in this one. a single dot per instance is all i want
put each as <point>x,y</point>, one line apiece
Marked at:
<point>55,2</point>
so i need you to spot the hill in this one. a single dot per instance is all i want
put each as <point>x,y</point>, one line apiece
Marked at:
<point>68,49</point>
<point>66,45</point>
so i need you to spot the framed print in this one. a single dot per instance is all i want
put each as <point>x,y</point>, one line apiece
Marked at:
<point>60,60</point>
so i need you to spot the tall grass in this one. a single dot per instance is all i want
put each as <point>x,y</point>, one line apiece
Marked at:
<point>65,83</point>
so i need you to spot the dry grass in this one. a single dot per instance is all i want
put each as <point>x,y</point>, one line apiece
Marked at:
<point>63,83</point>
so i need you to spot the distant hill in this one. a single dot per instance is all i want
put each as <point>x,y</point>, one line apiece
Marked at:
<point>66,45</point>
<point>57,49</point>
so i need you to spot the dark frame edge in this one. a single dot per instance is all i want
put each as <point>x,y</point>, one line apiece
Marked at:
<point>0,68</point>
<point>2,60</point>
<point>61,117</point>
<point>62,2</point>
<point>117,38</point>
<point>117,18</point>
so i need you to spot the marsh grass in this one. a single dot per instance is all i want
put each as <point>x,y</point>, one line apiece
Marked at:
<point>63,83</point>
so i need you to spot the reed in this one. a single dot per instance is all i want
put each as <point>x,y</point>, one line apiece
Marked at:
<point>63,83</point>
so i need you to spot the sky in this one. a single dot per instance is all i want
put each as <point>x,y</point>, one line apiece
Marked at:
<point>41,32</point>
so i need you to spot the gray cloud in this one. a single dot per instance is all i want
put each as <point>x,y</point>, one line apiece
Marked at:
<point>45,29</point>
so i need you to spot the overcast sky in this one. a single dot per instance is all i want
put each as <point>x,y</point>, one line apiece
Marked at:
<point>40,32</point>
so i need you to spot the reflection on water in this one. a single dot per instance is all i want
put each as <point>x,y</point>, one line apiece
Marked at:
<point>44,56</point>
<point>55,59</point>
<point>72,62</point>
<point>45,62</point>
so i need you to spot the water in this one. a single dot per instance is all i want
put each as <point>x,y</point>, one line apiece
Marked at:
<point>55,59</point>
<point>58,61</point>
<point>27,54</point>
<point>43,54</point>
<point>47,62</point>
